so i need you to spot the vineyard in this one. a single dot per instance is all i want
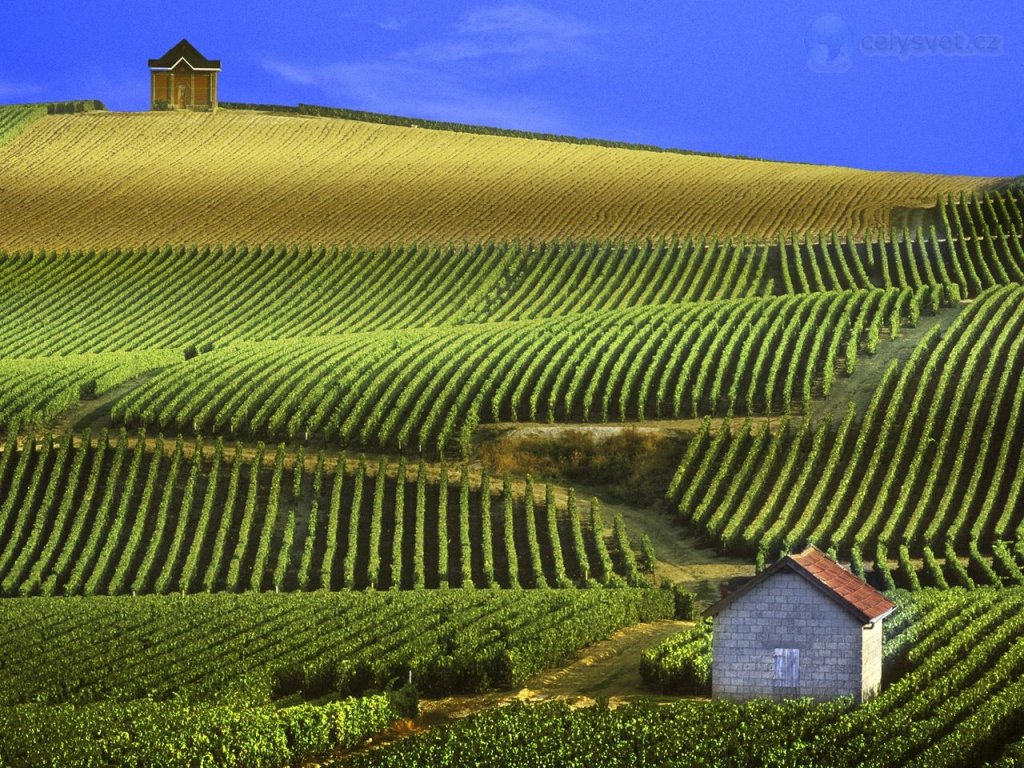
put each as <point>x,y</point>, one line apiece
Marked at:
<point>426,389</point>
<point>35,390</point>
<point>935,463</point>
<point>139,298</point>
<point>97,180</point>
<point>227,435</point>
<point>286,647</point>
<point>955,698</point>
<point>124,516</point>
<point>14,119</point>
<point>168,734</point>
<point>133,299</point>
<point>124,299</point>
<point>197,672</point>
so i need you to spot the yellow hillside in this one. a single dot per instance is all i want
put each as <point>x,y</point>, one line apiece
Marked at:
<point>103,179</point>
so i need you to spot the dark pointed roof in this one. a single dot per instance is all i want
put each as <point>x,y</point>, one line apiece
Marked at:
<point>184,50</point>
<point>860,600</point>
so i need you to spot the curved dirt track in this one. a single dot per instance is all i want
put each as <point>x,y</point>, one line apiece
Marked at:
<point>606,671</point>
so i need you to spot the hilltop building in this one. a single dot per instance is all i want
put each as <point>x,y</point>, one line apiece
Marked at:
<point>183,79</point>
<point>803,627</point>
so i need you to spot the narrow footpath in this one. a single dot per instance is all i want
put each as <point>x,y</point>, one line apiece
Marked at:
<point>606,671</point>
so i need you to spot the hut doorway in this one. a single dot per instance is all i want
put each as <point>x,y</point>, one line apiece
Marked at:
<point>183,101</point>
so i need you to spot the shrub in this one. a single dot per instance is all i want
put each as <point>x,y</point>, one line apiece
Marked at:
<point>685,602</point>
<point>321,677</point>
<point>681,664</point>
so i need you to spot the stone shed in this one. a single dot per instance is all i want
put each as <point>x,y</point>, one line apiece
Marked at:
<point>803,627</point>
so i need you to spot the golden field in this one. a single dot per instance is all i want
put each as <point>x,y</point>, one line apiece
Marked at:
<point>103,179</point>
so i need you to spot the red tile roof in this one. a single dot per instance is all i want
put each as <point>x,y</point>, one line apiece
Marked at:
<point>858,596</point>
<point>861,600</point>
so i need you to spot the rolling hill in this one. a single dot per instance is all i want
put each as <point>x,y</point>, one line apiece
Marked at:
<point>98,179</point>
<point>202,313</point>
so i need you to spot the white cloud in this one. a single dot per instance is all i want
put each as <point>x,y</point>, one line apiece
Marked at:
<point>391,24</point>
<point>294,74</point>
<point>14,90</point>
<point>506,31</point>
<point>455,77</point>
<point>525,20</point>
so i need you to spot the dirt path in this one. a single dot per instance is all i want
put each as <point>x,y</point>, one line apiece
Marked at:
<point>681,555</point>
<point>608,670</point>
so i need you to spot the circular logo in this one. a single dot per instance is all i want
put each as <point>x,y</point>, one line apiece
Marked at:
<point>829,43</point>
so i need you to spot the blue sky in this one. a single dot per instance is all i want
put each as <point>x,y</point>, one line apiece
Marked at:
<point>930,85</point>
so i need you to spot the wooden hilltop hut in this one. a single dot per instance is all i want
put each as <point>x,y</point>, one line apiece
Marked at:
<point>183,79</point>
<point>805,626</point>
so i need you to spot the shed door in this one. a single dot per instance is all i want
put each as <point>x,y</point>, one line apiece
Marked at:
<point>183,101</point>
<point>787,668</point>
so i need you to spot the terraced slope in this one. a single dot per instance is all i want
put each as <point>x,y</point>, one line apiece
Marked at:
<point>104,179</point>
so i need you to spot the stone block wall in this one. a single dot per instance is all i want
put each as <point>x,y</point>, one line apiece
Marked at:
<point>784,611</point>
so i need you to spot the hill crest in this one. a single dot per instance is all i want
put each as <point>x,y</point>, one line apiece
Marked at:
<point>103,179</point>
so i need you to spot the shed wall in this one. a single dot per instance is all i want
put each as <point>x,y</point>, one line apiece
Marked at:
<point>161,85</point>
<point>201,87</point>
<point>784,611</point>
<point>871,662</point>
<point>201,96</point>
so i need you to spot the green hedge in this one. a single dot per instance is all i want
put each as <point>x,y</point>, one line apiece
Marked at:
<point>717,733</point>
<point>69,107</point>
<point>681,664</point>
<point>1013,757</point>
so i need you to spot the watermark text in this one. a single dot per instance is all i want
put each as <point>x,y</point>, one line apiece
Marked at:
<point>907,46</point>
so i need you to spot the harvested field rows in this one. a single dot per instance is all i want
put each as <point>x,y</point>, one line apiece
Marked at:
<point>101,179</point>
